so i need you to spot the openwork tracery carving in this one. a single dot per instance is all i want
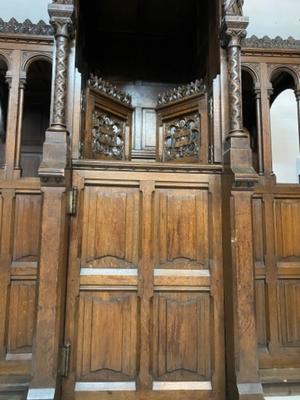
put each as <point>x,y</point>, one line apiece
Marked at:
<point>182,138</point>
<point>108,89</point>
<point>181,92</point>
<point>108,136</point>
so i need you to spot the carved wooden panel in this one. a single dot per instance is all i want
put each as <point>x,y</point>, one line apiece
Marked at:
<point>182,139</point>
<point>107,336</point>
<point>260,309</point>
<point>21,316</point>
<point>258,232</point>
<point>181,336</point>
<point>182,135</point>
<point>107,130</point>
<point>27,227</point>
<point>111,227</point>
<point>181,233</point>
<point>287,229</point>
<point>288,293</point>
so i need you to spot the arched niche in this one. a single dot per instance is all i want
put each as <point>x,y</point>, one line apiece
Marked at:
<point>3,108</point>
<point>284,128</point>
<point>249,113</point>
<point>36,115</point>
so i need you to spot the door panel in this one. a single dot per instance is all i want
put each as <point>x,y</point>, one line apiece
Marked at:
<point>144,305</point>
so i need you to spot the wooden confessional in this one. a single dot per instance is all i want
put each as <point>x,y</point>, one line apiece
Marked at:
<point>147,251</point>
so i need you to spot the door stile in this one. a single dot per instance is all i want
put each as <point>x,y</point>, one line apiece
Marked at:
<point>145,284</point>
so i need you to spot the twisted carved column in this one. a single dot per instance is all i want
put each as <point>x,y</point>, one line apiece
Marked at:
<point>233,33</point>
<point>62,24</point>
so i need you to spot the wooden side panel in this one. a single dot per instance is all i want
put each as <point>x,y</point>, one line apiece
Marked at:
<point>289,312</point>
<point>287,229</point>
<point>111,227</point>
<point>27,227</point>
<point>258,232</point>
<point>261,314</point>
<point>181,336</point>
<point>21,316</point>
<point>181,231</point>
<point>107,336</point>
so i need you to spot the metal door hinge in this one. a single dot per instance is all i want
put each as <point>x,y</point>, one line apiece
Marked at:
<point>72,201</point>
<point>65,360</point>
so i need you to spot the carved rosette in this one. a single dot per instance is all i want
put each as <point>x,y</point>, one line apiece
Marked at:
<point>233,33</point>
<point>108,136</point>
<point>182,139</point>
<point>62,24</point>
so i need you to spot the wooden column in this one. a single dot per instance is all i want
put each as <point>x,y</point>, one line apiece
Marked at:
<point>12,78</point>
<point>56,145</point>
<point>17,165</point>
<point>54,176</point>
<point>238,182</point>
<point>266,92</point>
<point>257,93</point>
<point>297,94</point>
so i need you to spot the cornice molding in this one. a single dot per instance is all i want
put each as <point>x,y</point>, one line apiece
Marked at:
<point>25,28</point>
<point>268,43</point>
<point>181,92</point>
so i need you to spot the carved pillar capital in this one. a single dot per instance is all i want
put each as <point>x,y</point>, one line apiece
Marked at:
<point>297,94</point>
<point>8,78</point>
<point>233,30</point>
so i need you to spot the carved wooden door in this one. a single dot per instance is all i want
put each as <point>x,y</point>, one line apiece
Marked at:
<point>144,291</point>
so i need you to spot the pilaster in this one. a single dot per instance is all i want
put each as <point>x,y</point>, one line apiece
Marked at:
<point>238,184</point>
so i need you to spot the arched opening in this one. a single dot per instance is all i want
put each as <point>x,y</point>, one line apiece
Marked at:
<point>36,115</point>
<point>249,114</point>
<point>3,109</point>
<point>284,129</point>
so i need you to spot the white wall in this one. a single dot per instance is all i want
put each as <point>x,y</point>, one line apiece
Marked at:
<point>285,139</point>
<point>22,9</point>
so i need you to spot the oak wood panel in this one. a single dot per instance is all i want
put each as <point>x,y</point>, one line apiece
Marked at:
<point>181,337</point>
<point>289,312</point>
<point>111,227</point>
<point>258,237</point>
<point>21,316</point>
<point>287,229</point>
<point>261,312</point>
<point>181,231</point>
<point>107,336</point>
<point>27,227</point>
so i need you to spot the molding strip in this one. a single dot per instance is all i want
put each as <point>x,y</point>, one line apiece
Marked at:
<point>41,394</point>
<point>108,272</point>
<point>205,385</point>
<point>104,386</point>
<point>182,272</point>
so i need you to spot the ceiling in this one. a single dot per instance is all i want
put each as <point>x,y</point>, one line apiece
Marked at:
<point>154,40</point>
